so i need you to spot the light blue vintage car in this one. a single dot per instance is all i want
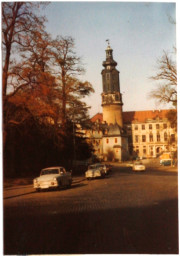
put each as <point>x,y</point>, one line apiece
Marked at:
<point>95,171</point>
<point>53,177</point>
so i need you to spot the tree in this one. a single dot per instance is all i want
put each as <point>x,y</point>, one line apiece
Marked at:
<point>68,67</point>
<point>166,92</point>
<point>18,22</point>
<point>32,83</point>
<point>37,100</point>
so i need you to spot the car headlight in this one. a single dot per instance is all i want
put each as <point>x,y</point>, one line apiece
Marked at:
<point>54,179</point>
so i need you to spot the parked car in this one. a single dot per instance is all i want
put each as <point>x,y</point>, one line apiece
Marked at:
<point>94,171</point>
<point>130,164</point>
<point>53,177</point>
<point>166,162</point>
<point>138,166</point>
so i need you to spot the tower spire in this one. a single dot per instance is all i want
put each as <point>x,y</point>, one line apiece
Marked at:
<point>107,40</point>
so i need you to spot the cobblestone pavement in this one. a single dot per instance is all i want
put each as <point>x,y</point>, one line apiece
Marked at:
<point>126,212</point>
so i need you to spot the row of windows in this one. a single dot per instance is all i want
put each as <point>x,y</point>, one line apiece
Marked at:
<point>151,150</point>
<point>115,140</point>
<point>97,142</point>
<point>144,149</point>
<point>150,126</point>
<point>151,137</point>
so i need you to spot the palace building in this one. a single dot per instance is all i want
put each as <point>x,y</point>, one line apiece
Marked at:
<point>149,133</point>
<point>117,135</point>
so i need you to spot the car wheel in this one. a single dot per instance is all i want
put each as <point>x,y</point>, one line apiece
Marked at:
<point>59,186</point>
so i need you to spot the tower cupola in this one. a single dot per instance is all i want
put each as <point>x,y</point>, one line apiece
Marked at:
<point>109,62</point>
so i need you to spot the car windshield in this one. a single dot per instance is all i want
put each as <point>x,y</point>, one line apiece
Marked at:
<point>138,163</point>
<point>50,171</point>
<point>90,167</point>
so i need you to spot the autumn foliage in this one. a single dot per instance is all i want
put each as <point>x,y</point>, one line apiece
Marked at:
<point>42,94</point>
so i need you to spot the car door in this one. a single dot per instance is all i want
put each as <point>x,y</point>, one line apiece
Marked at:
<point>66,177</point>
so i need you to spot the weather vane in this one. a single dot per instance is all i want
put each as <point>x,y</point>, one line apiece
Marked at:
<point>107,40</point>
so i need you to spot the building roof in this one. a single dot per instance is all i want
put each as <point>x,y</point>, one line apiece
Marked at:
<point>139,116</point>
<point>97,118</point>
<point>142,116</point>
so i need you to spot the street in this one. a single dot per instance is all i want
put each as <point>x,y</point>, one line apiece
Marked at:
<point>126,212</point>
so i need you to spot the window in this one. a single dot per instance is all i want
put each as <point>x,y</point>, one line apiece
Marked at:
<point>107,76</point>
<point>165,136</point>
<point>158,137</point>
<point>151,151</point>
<point>150,137</point>
<point>136,127</point>
<point>150,126</point>
<point>136,138</point>
<point>172,137</point>
<point>128,127</point>
<point>144,150</point>
<point>137,149</point>
<point>97,143</point>
<point>107,141</point>
<point>172,125</point>
<point>115,140</point>
<point>143,138</point>
<point>157,126</point>
<point>143,126</point>
<point>165,126</point>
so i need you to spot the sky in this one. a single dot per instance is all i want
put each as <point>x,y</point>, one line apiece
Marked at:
<point>138,33</point>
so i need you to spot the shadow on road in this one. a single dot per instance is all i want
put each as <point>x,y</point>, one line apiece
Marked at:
<point>77,185</point>
<point>146,230</point>
<point>28,193</point>
<point>15,188</point>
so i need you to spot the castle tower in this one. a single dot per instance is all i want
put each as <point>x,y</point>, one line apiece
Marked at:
<point>111,96</point>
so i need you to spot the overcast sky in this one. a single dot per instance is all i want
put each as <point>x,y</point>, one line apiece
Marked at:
<point>138,34</point>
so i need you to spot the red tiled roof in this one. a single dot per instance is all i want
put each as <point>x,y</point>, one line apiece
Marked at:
<point>98,116</point>
<point>142,116</point>
<point>139,116</point>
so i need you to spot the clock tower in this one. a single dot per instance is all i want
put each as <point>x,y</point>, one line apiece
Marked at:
<point>111,96</point>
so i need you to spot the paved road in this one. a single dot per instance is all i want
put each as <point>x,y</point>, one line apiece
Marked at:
<point>126,212</point>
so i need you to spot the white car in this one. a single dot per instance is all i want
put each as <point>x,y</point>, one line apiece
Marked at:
<point>95,171</point>
<point>53,177</point>
<point>138,167</point>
